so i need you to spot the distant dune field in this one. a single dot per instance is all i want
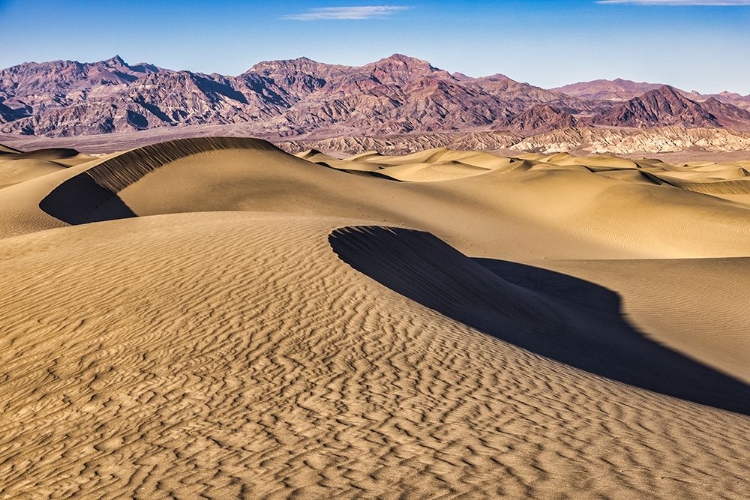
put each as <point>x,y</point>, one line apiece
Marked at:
<point>216,317</point>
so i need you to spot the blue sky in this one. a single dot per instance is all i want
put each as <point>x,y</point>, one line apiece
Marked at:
<point>701,45</point>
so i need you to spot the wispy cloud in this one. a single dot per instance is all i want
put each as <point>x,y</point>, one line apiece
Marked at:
<point>339,13</point>
<point>709,3</point>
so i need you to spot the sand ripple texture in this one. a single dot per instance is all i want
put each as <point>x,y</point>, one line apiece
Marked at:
<point>226,355</point>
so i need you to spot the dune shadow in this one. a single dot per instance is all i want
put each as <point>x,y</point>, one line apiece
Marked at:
<point>48,154</point>
<point>80,200</point>
<point>561,317</point>
<point>361,173</point>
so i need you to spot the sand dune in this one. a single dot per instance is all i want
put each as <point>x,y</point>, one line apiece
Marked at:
<point>16,167</point>
<point>551,213</point>
<point>14,171</point>
<point>254,379</point>
<point>217,317</point>
<point>424,269</point>
<point>7,149</point>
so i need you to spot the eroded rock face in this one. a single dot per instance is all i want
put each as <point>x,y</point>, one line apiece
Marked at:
<point>625,141</point>
<point>583,139</point>
<point>660,107</point>
<point>542,118</point>
<point>292,98</point>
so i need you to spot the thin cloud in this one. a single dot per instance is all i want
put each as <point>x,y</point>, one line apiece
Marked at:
<point>707,3</point>
<point>343,13</point>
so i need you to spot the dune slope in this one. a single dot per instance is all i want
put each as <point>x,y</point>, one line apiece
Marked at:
<point>259,365</point>
<point>596,339</point>
<point>215,317</point>
<point>567,213</point>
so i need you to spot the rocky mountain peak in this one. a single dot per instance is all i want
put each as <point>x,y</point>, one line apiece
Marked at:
<point>659,107</point>
<point>300,65</point>
<point>668,91</point>
<point>401,60</point>
<point>497,77</point>
<point>115,61</point>
<point>399,69</point>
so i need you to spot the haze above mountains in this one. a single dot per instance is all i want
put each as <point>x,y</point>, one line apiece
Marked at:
<point>302,99</point>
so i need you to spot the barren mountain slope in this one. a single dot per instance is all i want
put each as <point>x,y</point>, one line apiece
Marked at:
<point>301,97</point>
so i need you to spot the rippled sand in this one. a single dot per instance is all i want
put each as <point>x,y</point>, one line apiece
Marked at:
<point>216,317</point>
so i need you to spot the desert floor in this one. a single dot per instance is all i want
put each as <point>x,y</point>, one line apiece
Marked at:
<point>215,317</point>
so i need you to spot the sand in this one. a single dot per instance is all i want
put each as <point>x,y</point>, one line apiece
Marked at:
<point>216,317</point>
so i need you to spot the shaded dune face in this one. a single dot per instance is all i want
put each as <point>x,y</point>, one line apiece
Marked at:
<point>48,154</point>
<point>715,187</point>
<point>597,339</point>
<point>81,200</point>
<point>92,195</point>
<point>8,150</point>
<point>424,268</point>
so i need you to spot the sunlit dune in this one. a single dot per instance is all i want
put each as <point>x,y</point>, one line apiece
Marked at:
<point>215,317</point>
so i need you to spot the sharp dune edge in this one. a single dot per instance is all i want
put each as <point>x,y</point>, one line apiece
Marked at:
<point>217,317</point>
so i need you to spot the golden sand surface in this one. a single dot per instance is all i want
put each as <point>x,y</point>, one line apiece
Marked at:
<point>217,318</point>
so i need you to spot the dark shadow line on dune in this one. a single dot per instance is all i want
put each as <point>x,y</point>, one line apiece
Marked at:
<point>49,154</point>
<point>361,173</point>
<point>370,174</point>
<point>561,317</point>
<point>80,200</point>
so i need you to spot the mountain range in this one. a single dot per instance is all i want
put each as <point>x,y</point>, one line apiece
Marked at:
<point>302,98</point>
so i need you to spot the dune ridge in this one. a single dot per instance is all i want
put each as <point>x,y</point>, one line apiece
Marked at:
<point>117,173</point>
<point>18,166</point>
<point>8,149</point>
<point>92,195</point>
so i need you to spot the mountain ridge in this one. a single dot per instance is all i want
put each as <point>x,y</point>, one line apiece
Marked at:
<point>300,97</point>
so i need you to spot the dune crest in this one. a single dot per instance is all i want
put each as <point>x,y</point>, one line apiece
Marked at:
<point>17,167</point>
<point>92,195</point>
<point>117,173</point>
